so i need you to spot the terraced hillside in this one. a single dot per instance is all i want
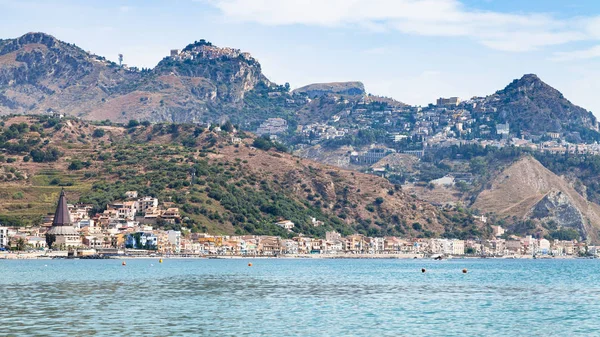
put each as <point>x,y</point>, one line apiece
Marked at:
<point>223,181</point>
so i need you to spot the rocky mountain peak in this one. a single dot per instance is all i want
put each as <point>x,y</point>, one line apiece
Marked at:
<point>531,83</point>
<point>8,46</point>
<point>530,104</point>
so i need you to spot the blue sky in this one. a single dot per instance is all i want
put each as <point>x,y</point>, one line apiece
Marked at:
<point>412,50</point>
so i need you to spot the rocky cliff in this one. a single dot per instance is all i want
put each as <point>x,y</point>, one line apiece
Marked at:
<point>526,190</point>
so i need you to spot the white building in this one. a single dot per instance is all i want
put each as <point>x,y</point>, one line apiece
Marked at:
<point>174,238</point>
<point>458,247</point>
<point>146,204</point>
<point>544,246</point>
<point>131,194</point>
<point>3,237</point>
<point>333,236</point>
<point>286,224</point>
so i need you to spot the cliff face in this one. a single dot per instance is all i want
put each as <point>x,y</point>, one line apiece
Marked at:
<point>526,190</point>
<point>560,208</point>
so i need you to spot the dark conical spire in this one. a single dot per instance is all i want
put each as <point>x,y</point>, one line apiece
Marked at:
<point>62,216</point>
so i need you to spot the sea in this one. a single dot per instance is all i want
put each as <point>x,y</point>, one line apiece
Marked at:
<point>300,297</point>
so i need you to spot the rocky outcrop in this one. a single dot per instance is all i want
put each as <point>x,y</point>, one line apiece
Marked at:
<point>526,190</point>
<point>336,88</point>
<point>560,208</point>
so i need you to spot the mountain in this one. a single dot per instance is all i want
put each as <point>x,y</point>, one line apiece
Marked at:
<point>542,201</point>
<point>530,105</point>
<point>334,88</point>
<point>206,83</point>
<point>39,73</point>
<point>239,184</point>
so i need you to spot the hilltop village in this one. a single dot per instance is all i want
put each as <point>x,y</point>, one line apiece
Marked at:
<point>391,127</point>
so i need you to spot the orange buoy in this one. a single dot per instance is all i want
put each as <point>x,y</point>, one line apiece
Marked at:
<point>465,271</point>
<point>123,263</point>
<point>423,270</point>
<point>249,264</point>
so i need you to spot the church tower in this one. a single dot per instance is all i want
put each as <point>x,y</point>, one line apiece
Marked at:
<point>62,234</point>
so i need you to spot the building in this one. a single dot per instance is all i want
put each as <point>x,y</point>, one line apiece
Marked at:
<point>142,240</point>
<point>452,101</point>
<point>503,129</point>
<point>544,246</point>
<point>498,231</point>
<point>146,205</point>
<point>458,247</point>
<point>333,236</point>
<point>286,224</point>
<point>171,215</point>
<point>131,194</point>
<point>3,237</point>
<point>174,238</point>
<point>62,234</point>
<point>272,126</point>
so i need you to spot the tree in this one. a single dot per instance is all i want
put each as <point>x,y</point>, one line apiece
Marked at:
<point>227,127</point>
<point>98,133</point>
<point>262,143</point>
<point>133,123</point>
<point>40,156</point>
<point>21,244</point>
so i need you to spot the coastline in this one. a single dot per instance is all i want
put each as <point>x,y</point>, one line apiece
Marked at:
<point>64,255</point>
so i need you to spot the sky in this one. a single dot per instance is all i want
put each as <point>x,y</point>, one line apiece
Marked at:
<point>412,50</point>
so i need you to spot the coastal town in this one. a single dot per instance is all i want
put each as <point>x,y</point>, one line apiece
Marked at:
<point>129,228</point>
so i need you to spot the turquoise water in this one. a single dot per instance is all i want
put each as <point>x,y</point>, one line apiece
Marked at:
<point>281,297</point>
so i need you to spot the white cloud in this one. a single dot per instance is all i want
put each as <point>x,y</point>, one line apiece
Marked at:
<point>443,18</point>
<point>577,54</point>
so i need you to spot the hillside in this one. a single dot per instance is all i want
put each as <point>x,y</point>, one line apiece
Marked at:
<point>542,201</point>
<point>238,188</point>
<point>531,105</point>
<point>201,83</point>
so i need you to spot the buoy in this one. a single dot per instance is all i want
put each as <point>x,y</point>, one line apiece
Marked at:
<point>465,271</point>
<point>249,264</point>
<point>423,270</point>
<point>160,261</point>
<point>123,263</point>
